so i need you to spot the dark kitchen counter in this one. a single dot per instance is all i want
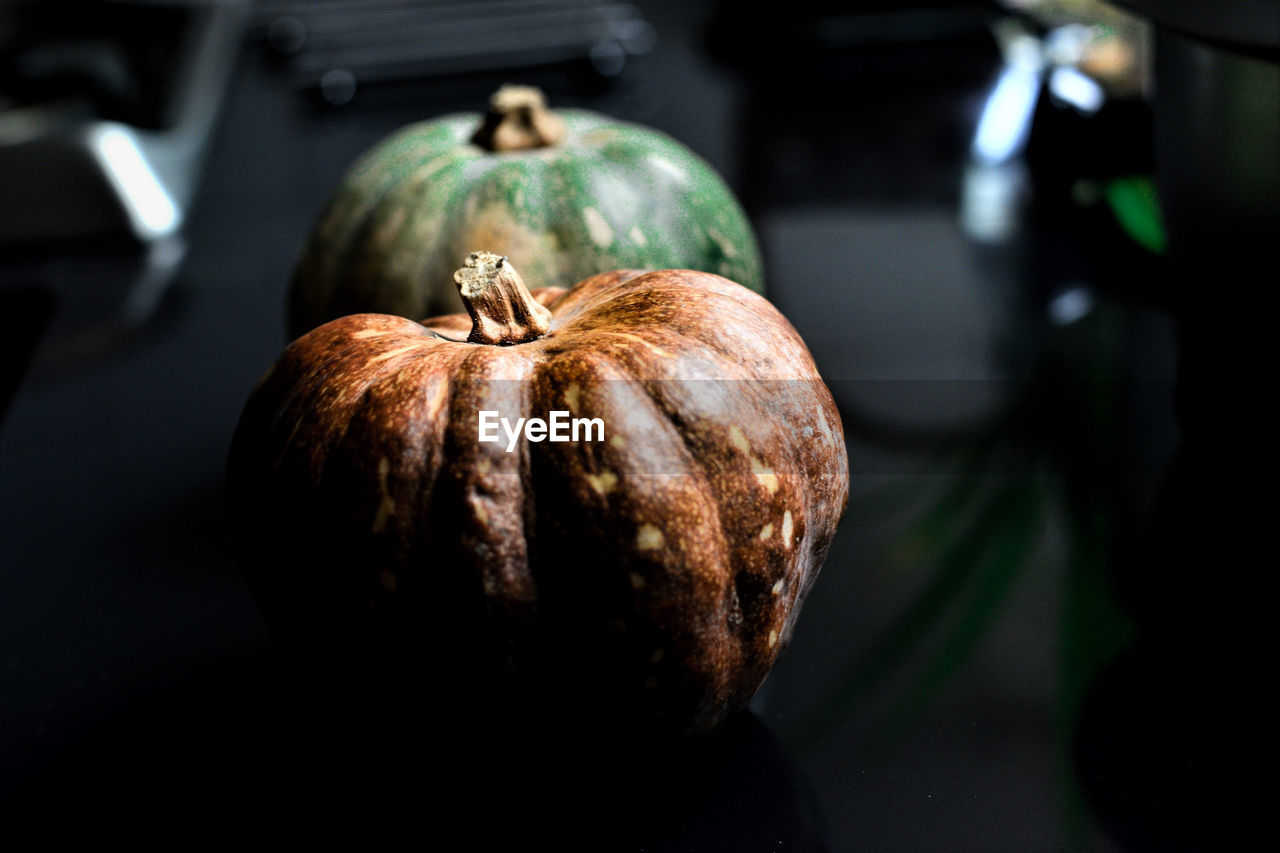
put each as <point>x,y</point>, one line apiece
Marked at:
<point>986,661</point>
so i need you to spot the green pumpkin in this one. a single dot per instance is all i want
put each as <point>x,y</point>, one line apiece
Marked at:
<point>564,195</point>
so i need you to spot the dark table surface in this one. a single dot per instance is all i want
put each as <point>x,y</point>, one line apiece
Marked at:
<point>973,669</point>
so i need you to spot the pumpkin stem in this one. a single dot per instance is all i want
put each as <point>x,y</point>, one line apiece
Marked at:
<point>518,119</point>
<point>502,309</point>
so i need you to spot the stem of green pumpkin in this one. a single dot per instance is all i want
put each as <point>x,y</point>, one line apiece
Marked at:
<point>517,120</point>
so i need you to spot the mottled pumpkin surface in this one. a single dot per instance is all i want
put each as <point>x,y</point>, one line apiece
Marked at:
<point>657,573</point>
<point>608,195</point>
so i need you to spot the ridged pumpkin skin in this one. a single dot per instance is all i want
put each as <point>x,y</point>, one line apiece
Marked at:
<point>608,195</point>
<point>653,576</point>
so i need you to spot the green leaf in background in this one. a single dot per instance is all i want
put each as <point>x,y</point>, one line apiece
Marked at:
<point>1134,204</point>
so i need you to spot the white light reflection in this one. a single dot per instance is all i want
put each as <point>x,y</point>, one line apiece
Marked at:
<point>149,206</point>
<point>1070,305</point>
<point>991,200</point>
<point>1006,117</point>
<point>1077,89</point>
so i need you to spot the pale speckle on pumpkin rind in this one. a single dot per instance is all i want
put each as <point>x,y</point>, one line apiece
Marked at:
<point>396,228</point>
<point>683,515</point>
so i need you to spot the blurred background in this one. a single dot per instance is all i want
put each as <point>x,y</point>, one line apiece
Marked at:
<point>1025,241</point>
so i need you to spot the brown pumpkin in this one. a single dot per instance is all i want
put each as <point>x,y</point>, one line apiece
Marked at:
<point>654,572</point>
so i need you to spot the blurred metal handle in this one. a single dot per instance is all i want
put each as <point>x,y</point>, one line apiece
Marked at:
<point>67,181</point>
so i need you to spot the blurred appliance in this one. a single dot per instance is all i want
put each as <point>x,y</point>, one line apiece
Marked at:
<point>1217,110</point>
<point>1169,744</point>
<point>337,46</point>
<point>106,110</point>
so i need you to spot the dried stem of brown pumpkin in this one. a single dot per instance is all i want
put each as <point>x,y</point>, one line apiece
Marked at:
<point>502,309</point>
<point>518,119</point>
